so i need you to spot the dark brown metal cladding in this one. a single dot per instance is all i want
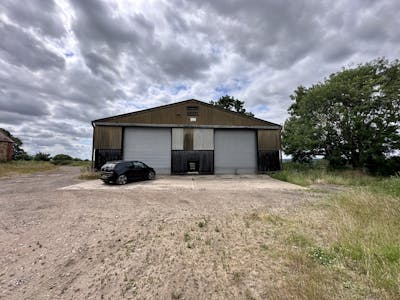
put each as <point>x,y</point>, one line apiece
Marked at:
<point>104,155</point>
<point>106,137</point>
<point>269,139</point>
<point>268,150</point>
<point>177,113</point>
<point>268,160</point>
<point>188,139</point>
<point>181,158</point>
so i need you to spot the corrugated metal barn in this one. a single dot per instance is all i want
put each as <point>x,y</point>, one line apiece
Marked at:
<point>189,137</point>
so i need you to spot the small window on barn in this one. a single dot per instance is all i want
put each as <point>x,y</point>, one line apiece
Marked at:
<point>192,111</point>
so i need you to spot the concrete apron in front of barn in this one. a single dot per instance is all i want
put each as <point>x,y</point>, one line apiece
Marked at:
<point>200,182</point>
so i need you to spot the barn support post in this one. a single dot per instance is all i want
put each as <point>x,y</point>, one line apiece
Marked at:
<point>93,148</point>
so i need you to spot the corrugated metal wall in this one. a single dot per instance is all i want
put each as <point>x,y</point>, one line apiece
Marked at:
<point>192,139</point>
<point>203,139</point>
<point>186,113</point>
<point>269,139</point>
<point>149,145</point>
<point>192,145</point>
<point>109,138</point>
<point>106,137</point>
<point>235,151</point>
<point>177,138</point>
<point>269,145</point>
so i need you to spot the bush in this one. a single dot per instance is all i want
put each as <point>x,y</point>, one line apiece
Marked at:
<point>88,174</point>
<point>41,156</point>
<point>383,166</point>
<point>62,157</point>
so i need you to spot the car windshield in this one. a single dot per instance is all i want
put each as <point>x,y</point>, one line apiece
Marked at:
<point>109,166</point>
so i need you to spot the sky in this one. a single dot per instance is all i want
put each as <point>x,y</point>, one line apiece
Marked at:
<point>64,63</point>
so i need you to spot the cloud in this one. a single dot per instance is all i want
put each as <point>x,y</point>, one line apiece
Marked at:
<point>22,49</point>
<point>36,14</point>
<point>64,63</point>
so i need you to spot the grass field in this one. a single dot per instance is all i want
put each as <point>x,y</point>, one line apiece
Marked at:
<point>349,245</point>
<point>24,167</point>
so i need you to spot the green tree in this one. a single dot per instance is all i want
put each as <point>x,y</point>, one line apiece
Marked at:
<point>18,152</point>
<point>230,103</point>
<point>351,118</point>
<point>41,156</point>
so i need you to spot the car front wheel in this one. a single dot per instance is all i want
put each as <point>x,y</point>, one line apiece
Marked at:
<point>122,179</point>
<point>151,175</point>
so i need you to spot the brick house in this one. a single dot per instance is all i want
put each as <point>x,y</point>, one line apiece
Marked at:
<point>6,147</point>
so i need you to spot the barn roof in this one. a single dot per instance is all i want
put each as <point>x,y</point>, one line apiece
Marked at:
<point>4,138</point>
<point>176,113</point>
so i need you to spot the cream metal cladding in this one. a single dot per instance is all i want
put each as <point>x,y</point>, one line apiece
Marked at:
<point>177,138</point>
<point>203,139</point>
<point>198,139</point>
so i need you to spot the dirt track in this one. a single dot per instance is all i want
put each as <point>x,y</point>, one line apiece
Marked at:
<point>165,243</point>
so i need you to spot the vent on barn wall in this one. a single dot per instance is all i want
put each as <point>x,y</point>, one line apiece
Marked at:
<point>192,111</point>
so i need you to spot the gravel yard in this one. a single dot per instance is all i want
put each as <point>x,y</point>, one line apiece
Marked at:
<point>205,237</point>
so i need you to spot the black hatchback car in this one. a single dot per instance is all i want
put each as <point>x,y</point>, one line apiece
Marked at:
<point>121,171</point>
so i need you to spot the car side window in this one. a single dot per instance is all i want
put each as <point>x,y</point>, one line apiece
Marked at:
<point>139,165</point>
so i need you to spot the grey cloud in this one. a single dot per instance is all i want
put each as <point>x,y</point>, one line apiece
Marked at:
<point>37,14</point>
<point>12,118</point>
<point>22,49</point>
<point>104,37</point>
<point>97,62</point>
<point>336,49</point>
<point>22,103</point>
<point>186,63</point>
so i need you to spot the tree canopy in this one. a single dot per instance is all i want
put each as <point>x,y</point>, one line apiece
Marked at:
<point>229,102</point>
<point>352,117</point>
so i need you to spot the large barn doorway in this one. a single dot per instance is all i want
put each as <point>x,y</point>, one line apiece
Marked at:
<point>235,151</point>
<point>149,145</point>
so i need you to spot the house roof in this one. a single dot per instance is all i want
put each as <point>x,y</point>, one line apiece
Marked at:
<point>154,114</point>
<point>4,138</point>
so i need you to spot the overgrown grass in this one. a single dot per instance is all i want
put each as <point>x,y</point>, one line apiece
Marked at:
<point>24,167</point>
<point>88,174</point>
<point>74,163</point>
<point>364,255</point>
<point>307,175</point>
<point>368,228</point>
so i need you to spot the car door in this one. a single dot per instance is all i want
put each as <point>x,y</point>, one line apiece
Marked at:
<point>140,169</point>
<point>130,170</point>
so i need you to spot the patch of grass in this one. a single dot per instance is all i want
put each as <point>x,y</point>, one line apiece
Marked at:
<point>362,258</point>
<point>18,167</point>
<point>74,163</point>
<point>299,240</point>
<point>88,174</point>
<point>389,186</point>
<point>368,225</point>
<point>307,175</point>
<point>237,277</point>
<point>322,256</point>
<point>202,223</point>
<point>186,237</point>
<point>318,176</point>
